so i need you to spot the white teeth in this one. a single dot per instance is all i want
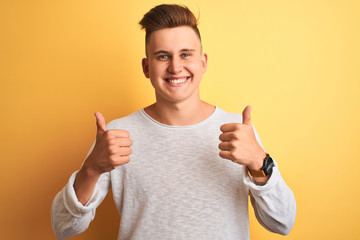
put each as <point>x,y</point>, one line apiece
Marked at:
<point>181,80</point>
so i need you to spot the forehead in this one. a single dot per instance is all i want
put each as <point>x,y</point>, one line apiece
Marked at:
<point>173,39</point>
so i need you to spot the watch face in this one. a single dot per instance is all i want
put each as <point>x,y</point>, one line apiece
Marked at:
<point>266,169</point>
<point>268,165</point>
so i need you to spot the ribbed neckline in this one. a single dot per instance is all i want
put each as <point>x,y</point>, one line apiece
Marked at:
<point>147,116</point>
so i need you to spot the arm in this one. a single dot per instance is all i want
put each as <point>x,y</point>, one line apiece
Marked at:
<point>74,207</point>
<point>69,217</point>
<point>274,203</point>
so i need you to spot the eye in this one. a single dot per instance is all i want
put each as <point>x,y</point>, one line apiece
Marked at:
<point>163,57</point>
<point>185,55</point>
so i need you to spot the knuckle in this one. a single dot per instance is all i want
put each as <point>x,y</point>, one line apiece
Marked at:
<point>232,144</point>
<point>237,126</point>
<point>237,135</point>
<point>125,133</point>
<point>111,141</point>
<point>125,151</point>
<point>124,160</point>
<point>234,156</point>
<point>112,150</point>
<point>127,159</point>
<point>108,136</point>
<point>113,160</point>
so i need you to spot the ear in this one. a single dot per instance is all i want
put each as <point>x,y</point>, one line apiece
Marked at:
<point>204,59</point>
<point>145,66</point>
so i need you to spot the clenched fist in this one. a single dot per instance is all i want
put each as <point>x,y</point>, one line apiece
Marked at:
<point>112,148</point>
<point>238,143</point>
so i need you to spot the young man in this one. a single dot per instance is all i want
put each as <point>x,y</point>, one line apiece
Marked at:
<point>173,179</point>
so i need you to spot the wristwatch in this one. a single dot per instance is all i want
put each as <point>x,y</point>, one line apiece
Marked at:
<point>265,170</point>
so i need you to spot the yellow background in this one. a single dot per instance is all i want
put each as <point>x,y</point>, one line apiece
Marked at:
<point>296,62</point>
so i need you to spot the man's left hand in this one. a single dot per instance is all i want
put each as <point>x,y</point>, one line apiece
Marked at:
<point>238,143</point>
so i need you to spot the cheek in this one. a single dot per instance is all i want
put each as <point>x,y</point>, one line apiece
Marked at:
<point>157,68</point>
<point>195,68</point>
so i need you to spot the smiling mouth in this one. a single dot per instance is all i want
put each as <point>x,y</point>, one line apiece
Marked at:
<point>176,80</point>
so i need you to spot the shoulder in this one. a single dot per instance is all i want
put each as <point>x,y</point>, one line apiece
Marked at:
<point>125,122</point>
<point>229,117</point>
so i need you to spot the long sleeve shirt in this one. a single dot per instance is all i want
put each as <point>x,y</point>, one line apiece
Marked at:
<point>177,187</point>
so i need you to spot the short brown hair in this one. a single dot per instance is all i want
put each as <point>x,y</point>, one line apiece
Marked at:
<point>168,16</point>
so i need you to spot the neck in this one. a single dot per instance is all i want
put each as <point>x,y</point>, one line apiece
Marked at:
<point>180,114</point>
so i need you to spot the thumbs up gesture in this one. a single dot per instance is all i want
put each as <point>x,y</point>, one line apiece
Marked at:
<point>112,148</point>
<point>238,143</point>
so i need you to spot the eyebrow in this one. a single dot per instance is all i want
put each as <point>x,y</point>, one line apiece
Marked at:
<point>166,52</point>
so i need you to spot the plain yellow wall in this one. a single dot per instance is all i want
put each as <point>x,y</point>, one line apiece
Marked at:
<point>296,62</point>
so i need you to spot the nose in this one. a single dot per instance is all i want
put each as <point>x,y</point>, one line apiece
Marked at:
<point>175,66</point>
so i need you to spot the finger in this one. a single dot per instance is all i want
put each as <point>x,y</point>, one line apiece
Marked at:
<point>124,151</point>
<point>116,143</point>
<point>225,146</point>
<point>118,133</point>
<point>124,159</point>
<point>100,123</point>
<point>226,137</point>
<point>229,127</point>
<point>226,155</point>
<point>121,160</point>
<point>124,142</point>
<point>246,115</point>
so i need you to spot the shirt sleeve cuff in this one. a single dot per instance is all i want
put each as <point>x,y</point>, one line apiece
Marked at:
<point>71,201</point>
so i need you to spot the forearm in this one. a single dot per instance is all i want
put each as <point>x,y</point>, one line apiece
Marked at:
<point>68,216</point>
<point>274,204</point>
<point>85,183</point>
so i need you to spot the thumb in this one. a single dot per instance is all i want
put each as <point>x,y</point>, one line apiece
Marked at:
<point>100,123</point>
<point>246,115</point>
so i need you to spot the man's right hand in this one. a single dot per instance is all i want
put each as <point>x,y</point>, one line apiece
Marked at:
<point>112,149</point>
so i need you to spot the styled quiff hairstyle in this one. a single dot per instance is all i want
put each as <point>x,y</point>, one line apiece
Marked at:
<point>168,16</point>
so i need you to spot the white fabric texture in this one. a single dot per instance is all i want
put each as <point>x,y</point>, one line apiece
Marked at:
<point>177,187</point>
